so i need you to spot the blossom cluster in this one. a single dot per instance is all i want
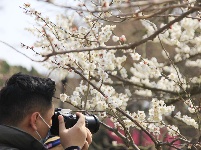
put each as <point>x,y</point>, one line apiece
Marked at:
<point>186,119</point>
<point>159,109</point>
<point>64,37</point>
<point>95,100</point>
<point>184,35</point>
<point>153,121</point>
<point>156,112</point>
<point>147,71</point>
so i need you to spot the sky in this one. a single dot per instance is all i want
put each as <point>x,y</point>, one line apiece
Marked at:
<point>12,31</point>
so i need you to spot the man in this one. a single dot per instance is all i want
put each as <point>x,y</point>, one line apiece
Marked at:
<point>25,116</point>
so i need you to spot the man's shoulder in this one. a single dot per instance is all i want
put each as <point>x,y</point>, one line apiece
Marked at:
<point>5,147</point>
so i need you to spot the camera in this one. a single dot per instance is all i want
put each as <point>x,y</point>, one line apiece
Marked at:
<point>91,121</point>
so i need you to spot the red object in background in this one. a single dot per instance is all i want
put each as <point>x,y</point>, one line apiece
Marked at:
<point>140,138</point>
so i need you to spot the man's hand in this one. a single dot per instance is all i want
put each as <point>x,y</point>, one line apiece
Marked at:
<point>88,140</point>
<point>78,135</point>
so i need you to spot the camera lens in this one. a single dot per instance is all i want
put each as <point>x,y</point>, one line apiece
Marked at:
<point>92,123</point>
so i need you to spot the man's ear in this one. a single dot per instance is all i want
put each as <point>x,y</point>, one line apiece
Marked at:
<point>33,120</point>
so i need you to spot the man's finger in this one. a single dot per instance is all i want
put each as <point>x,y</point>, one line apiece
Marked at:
<point>86,146</point>
<point>89,136</point>
<point>61,123</point>
<point>81,120</point>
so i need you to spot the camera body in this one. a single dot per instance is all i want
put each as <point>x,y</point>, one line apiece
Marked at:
<point>91,121</point>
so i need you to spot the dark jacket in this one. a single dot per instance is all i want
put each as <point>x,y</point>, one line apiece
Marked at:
<point>12,138</point>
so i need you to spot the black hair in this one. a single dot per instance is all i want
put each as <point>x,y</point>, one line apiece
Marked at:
<point>23,94</point>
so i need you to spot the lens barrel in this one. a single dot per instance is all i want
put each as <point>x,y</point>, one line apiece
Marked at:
<point>91,121</point>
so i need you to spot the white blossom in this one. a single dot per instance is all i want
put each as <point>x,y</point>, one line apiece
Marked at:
<point>115,38</point>
<point>135,56</point>
<point>63,97</point>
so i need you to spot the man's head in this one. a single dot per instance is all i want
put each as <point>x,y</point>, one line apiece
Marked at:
<point>24,99</point>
